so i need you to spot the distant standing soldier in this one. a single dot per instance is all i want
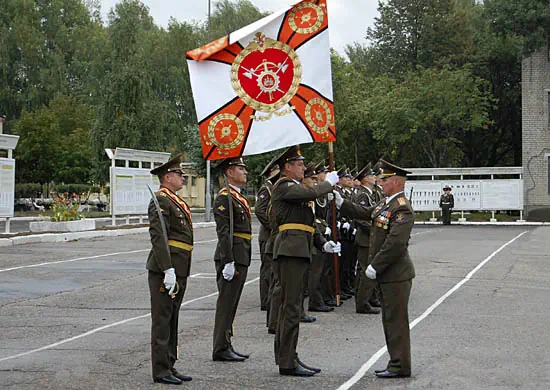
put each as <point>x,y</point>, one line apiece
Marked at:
<point>392,220</point>
<point>447,204</point>
<point>232,256</point>
<point>168,263</point>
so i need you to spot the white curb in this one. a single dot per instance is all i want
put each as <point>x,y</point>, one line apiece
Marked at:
<point>63,237</point>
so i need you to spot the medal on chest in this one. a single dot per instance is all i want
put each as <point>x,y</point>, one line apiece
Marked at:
<point>383,220</point>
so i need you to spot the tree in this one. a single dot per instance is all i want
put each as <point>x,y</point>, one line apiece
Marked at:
<point>430,112</point>
<point>55,143</point>
<point>424,33</point>
<point>528,19</point>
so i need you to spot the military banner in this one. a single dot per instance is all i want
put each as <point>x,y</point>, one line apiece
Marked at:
<point>266,86</point>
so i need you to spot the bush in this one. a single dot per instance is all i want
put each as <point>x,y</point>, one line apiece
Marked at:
<point>71,188</point>
<point>27,190</point>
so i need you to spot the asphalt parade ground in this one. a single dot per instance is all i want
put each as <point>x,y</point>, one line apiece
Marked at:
<point>479,312</point>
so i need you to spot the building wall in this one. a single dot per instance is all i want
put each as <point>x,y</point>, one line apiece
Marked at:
<point>194,190</point>
<point>536,132</point>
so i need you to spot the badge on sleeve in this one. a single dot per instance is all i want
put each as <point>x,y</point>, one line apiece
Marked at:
<point>400,218</point>
<point>221,208</point>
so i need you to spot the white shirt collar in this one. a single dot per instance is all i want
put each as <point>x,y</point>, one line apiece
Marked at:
<point>296,181</point>
<point>235,188</point>
<point>390,198</point>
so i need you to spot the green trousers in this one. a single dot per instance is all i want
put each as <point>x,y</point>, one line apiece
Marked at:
<point>265,275</point>
<point>164,324</point>
<point>395,320</point>
<point>274,295</point>
<point>364,287</point>
<point>291,273</point>
<point>226,306</point>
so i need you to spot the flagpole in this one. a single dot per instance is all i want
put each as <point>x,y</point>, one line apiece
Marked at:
<point>335,259</point>
<point>208,199</point>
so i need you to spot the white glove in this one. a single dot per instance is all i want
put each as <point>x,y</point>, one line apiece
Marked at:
<point>332,178</point>
<point>346,226</point>
<point>327,231</point>
<point>370,272</point>
<point>330,197</point>
<point>170,280</point>
<point>229,271</point>
<point>338,199</point>
<point>332,247</point>
<point>338,224</point>
<point>354,232</point>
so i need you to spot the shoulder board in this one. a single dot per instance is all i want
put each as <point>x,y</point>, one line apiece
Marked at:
<point>402,201</point>
<point>281,181</point>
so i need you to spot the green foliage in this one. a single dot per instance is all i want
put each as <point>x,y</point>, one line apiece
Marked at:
<point>526,19</point>
<point>54,143</point>
<point>27,190</point>
<point>437,83</point>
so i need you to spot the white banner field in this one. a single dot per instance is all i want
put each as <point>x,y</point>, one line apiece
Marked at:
<point>469,195</point>
<point>7,186</point>
<point>130,195</point>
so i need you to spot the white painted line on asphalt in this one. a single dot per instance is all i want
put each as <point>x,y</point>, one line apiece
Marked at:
<point>427,231</point>
<point>88,258</point>
<point>374,358</point>
<point>91,332</point>
<point>204,276</point>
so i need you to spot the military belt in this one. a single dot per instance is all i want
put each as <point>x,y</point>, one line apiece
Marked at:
<point>246,236</point>
<point>181,245</point>
<point>297,226</point>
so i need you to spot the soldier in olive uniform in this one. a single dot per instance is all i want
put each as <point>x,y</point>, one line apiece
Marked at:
<point>292,253</point>
<point>168,263</point>
<point>262,203</point>
<point>321,263</point>
<point>327,277</point>
<point>232,256</point>
<point>390,263</point>
<point>364,294</point>
<point>446,203</point>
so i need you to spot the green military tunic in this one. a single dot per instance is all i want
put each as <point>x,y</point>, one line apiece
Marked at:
<point>262,204</point>
<point>230,249</point>
<point>292,251</point>
<point>446,203</point>
<point>319,260</point>
<point>364,286</point>
<point>392,220</point>
<point>164,309</point>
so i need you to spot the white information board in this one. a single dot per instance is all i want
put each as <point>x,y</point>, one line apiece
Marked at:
<point>502,194</point>
<point>425,194</point>
<point>505,194</point>
<point>129,192</point>
<point>7,186</point>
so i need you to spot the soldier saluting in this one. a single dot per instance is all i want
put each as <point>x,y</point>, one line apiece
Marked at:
<point>294,217</point>
<point>392,220</point>
<point>169,262</point>
<point>232,256</point>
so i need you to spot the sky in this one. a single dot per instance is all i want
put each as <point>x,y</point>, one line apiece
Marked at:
<point>348,19</point>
